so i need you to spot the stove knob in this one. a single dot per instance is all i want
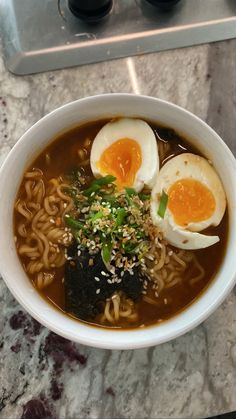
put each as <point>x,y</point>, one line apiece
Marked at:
<point>163,3</point>
<point>90,10</point>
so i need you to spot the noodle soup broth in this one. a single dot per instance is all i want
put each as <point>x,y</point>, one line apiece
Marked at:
<point>134,279</point>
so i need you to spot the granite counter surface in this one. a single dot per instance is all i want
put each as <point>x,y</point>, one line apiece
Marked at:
<point>45,376</point>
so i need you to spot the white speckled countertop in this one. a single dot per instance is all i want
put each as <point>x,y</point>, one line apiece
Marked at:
<point>45,376</point>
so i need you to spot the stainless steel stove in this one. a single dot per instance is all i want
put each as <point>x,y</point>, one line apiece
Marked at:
<point>39,36</point>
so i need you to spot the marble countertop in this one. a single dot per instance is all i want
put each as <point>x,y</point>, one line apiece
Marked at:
<point>45,376</point>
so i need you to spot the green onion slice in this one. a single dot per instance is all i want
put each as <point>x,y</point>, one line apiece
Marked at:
<point>105,180</point>
<point>163,204</point>
<point>96,216</point>
<point>91,189</point>
<point>144,196</point>
<point>121,214</point>
<point>73,223</point>
<point>97,183</point>
<point>106,251</point>
<point>130,191</point>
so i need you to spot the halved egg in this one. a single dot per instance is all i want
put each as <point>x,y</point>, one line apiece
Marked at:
<point>196,200</point>
<point>127,149</point>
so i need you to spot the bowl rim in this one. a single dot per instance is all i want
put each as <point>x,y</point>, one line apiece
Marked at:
<point>102,337</point>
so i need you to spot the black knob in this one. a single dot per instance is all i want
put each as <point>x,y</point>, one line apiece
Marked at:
<point>90,10</point>
<point>163,3</point>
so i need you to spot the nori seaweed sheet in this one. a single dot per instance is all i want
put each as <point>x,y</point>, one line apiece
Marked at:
<point>81,298</point>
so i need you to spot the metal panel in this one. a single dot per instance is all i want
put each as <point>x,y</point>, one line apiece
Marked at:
<point>37,38</point>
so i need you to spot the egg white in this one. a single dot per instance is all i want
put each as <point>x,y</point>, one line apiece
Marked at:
<point>188,166</point>
<point>134,129</point>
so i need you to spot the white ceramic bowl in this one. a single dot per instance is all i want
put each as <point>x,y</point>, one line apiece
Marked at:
<point>30,145</point>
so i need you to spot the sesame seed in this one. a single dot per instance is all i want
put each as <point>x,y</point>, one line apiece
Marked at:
<point>104,273</point>
<point>98,291</point>
<point>96,278</point>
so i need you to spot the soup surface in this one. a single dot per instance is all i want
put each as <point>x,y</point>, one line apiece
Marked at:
<point>62,249</point>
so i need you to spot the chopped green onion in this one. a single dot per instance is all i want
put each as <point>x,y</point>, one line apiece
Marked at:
<point>105,180</point>
<point>130,191</point>
<point>73,223</point>
<point>129,194</point>
<point>144,196</point>
<point>96,216</point>
<point>121,214</point>
<point>97,183</point>
<point>106,251</point>
<point>129,247</point>
<point>163,204</point>
<point>129,202</point>
<point>109,199</point>
<point>91,189</point>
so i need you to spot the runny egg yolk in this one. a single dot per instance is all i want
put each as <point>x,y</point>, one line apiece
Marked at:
<point>190,201</point>
<point>121,159</point>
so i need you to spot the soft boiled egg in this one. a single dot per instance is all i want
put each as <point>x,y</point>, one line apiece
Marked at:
<point>127,149</point>
<point>195,200</point>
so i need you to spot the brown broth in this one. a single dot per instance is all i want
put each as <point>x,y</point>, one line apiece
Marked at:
<point>63,157</point>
